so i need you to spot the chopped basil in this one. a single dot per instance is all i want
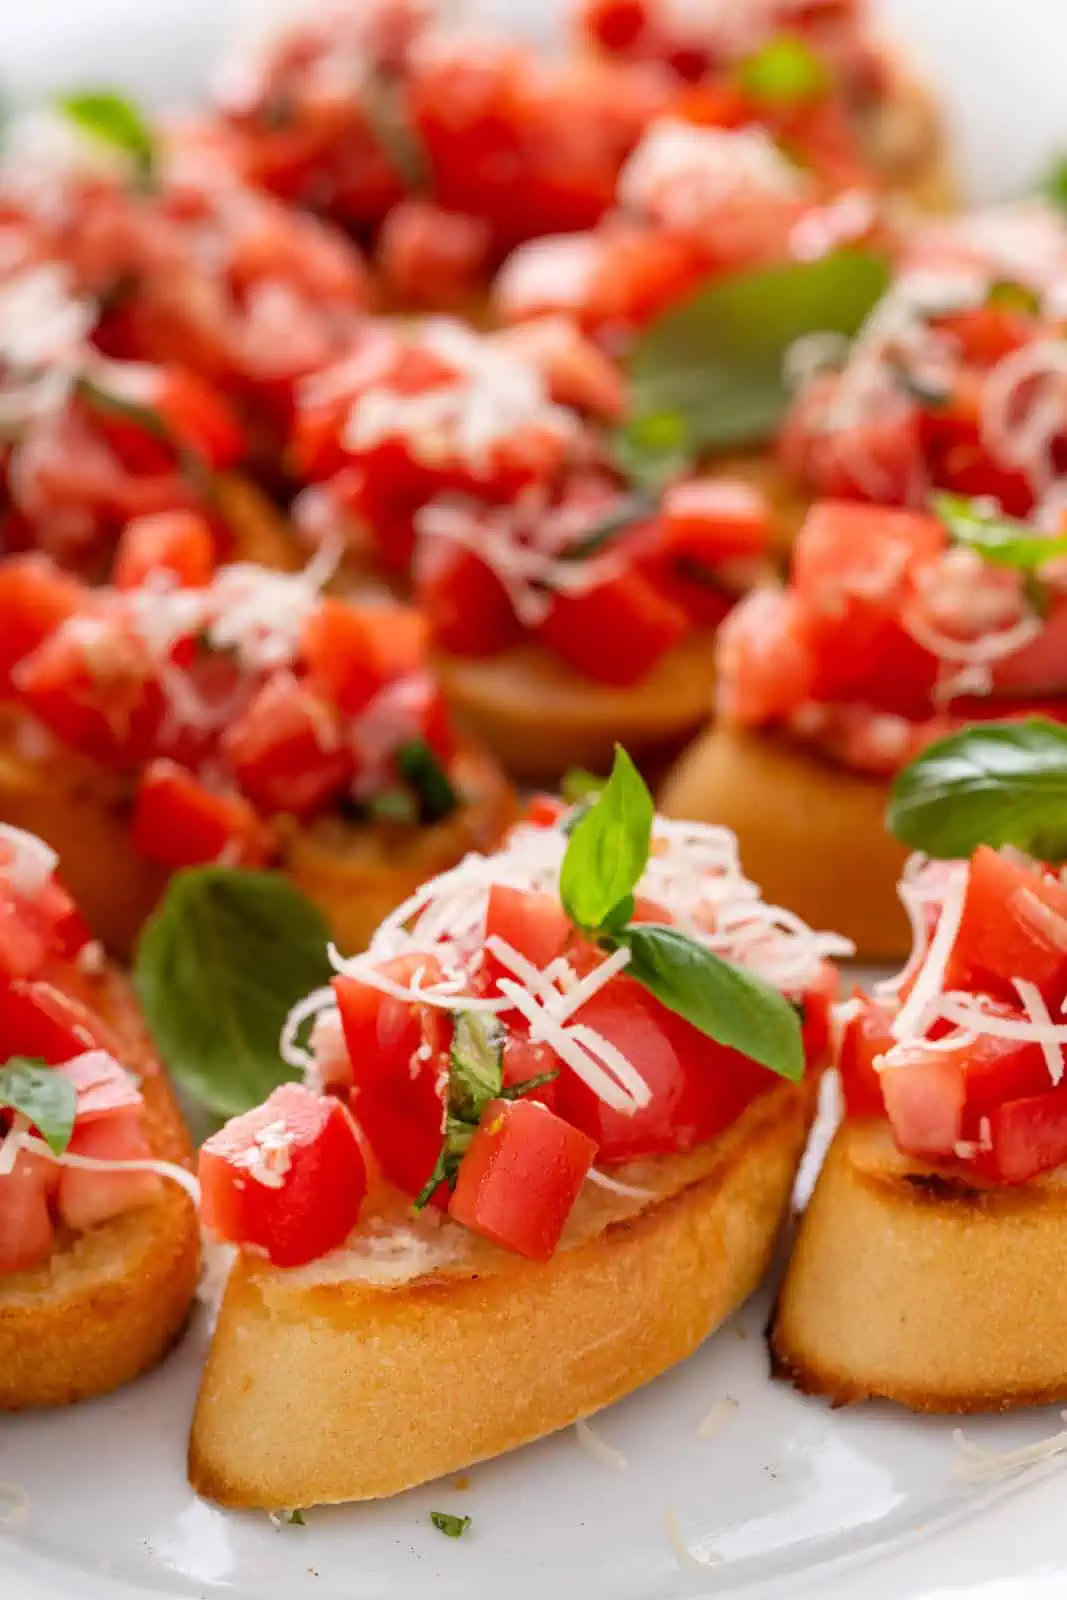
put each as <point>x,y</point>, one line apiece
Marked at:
<point>608,848</point>
<point>1054,185</point>
<point>451,1526</point>
<point>994,783</point>
<point>1003,541</point>
<point>116,121</point>
<point>416,762</point>
<point>390,805</point>
<point>716,362</point>
<point>578,784</point>
<point>219,966</point>
<point>46,1098</point>
<point>785,72</point>
<point>653,450</point>
<point>515,1091</point>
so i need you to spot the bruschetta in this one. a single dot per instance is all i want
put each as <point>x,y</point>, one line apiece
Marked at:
<point>896,627</point>
<point>192,714</point>
<point>598,1162</point>
<point>99,1241</point>
<point>924,1271</point>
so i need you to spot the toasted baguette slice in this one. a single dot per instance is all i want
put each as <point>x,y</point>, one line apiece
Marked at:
<point>422,1352</point>
<point>813,836</point>
<point>112,1301</point>
<point>354,874</point>
<point>917,1286</point>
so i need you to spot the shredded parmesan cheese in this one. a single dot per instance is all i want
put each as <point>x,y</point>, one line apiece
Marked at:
<point>162,1169</point>
<point>598,1448</point>
<point>977,1465</point>
<point>629,1191</point>
<point>687,1555</point>
<point>14,1506</point>
<point>717,1417</point>
<point>921,1006</point>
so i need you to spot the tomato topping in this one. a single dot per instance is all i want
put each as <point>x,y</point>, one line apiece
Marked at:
<point>433,258</point>
<point>104,1088</point>
<point>937,1094</point>
<point>37,1019</point>
<point>351,652</point>
<point>615,633</point>
<point>94,687</point>
<point>1014,925</point>
<point>287,751</point>
<point>1025,1137</point>
<point>199,418</point>
<point>519,1180</point>
<point>33,929</point>
<point>181,823</point>
<point>467,607</point>
<point>287,1178</point>
<point>714,519</point>
<point>26,1233</point>
<point>35,599</point>
<point>535,925</point>
<point>177,542</point>
<point>767,667</point>
<point>88,1198</point>
<point>864,1038</point>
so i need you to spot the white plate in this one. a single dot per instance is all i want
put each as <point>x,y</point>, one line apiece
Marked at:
<point>792,1498</point>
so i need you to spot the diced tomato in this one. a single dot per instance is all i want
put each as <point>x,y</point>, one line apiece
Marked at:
<point>615,24</point>
<point>1025,1138</point>
<point>287,1178</point>
<point>986,334</point>
<point>617,632</point>
<point>400,1071</point>
<point>937,1094</point>
<point>35,599</point>
<point>287,750</point>
<point>37,1019</point>
<point>87,1198</point>
<point>35,929</point>
<point>200,419</point>
<point>95,689</point>
<point>714,519</point>
<point>524,1060</point>
<point>544,810</point>
<point>1014,925</point>
<point>465,603</point>
<point>181,823</point>
<point>353,651</point>
<point>766,666</point>
<point>412,708</point>
<point>698,1088</point>
<point>26,1233</point>
<point>879,458</point>
<point>578,373</point>
<point>177,542</point>
<point>433,258</point>
<point>104,1088</point>
<point>639,272</point>
<point>863,1039</point>
<point>535,925</point>
<point>519,1180</point>
<point>817,1007</point>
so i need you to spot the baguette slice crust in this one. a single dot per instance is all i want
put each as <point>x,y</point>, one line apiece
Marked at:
<point>333,1383</point>
<point>111,1302</point>
<point>919,1286</point>
<point>813,836</point>
<point>356,875</point>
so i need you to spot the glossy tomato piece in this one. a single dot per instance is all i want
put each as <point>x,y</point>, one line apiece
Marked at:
<point>766,664</point>
<point>715,519</point>
<point>37,929</point>
<point>38,1019</point>
<point>93,685</point>
<point>465,603</point>
<point>35,599</point>
<point>87,1198</point>
<point>1025,1137</point>
<point>181,823</point>
<point>200,419</point>
<point>617,632</point>
<point>878,458</point>
<point>864,1038</point>
<point>178,543</point>
<point>352,651</point>
<point>937,1094</point>
<point>519,1180</point>
<point>534,925</point>
<point>104,1087</point>
<point>287,1178</point>
<point>1014,925</point>
<point>26,1233</point>
<point>287,749</point>
<point>816,1012</point>
<point>698,1088</point>
<point>524,1060</point>
<point>431,258</point>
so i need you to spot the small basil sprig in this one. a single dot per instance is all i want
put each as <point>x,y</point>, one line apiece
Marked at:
<point>116,121</point>
<point>994,783</point>
<point>653,450</point>
<point>449,1524</point>
<point>1002,541</point>
<point>786,72</point>
<point>475,1078</point>
<point>435,794</point>
<point>46,1098</point>
<point>604,862</point>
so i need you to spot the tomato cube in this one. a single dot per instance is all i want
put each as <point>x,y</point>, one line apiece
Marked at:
<point>617,632</point>
<point>104,1088</point>
<point>35,598</point>
<point>26,1233</point>
<point>1026,1137</point>
<point>937,1094</point>
<point>1014,925</point>
<point>178,543</point>
<point>519,1180</point>
<point>179,822</point>
<point>351,652</point>
<point>87,1198</point>
<point>465,603</point>
<point>37,1019</point>
<point>535,925</point>
<point>287,1178</point>
<point>433,258</point>
<point>864,1038</point>
<point>715,519</point>
<point>287,749</point>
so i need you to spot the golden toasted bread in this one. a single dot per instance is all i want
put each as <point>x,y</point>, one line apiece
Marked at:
<point>354,873</point>
<point>924,1287</point>
<point>112,1301</point>
<point>420,1349</point>
<point>812,835</point>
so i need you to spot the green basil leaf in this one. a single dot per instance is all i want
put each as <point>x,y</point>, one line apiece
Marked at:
<point>390,805</point>
<point>416,762</point>
<point>1008,294</point>
<point>717,360</point>
<point>515,1091</point>
<point>785,72</point>
<point>993,783</point>
<point>218,968</point>
<point>654,450</point>
<point>456,1143</point>
<point>451,1526</point>
<point>608,847</point>
<point>476,1064</point>
<point>726,1003</point>
<point>1003,541</point>
<point>43,1096</point>
<point>116,121</point>
<point>1054,183</point>
<point>578,784</point>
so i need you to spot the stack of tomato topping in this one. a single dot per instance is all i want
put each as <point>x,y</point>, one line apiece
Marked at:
<point>896,627</point>
<point>964,1052</point>
<point>491,1045</point>
<point>63,1092</point>
<point>231,695</point>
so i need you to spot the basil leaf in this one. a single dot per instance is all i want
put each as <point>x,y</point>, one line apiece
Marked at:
<point>116,121</point>
<point>1007,294</point>
<point>416,762</point>
<point>451,1526</point>
<point>218,968</point>
<point>456,1143</point>
<point>476,1064</point>
<point>608,847</point>
<point>653,450</point>
<point>390,805</point>
<point>578,784</point>
<point>43,1096</point>
<point>294,1519</point>
<point>1054,184</point>
<point>1001,540</point>
<point>515,1091</point>
<point>717,360</point>
<point>785,72</point>
<point>994,783</point>
<point>724,1002</point>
